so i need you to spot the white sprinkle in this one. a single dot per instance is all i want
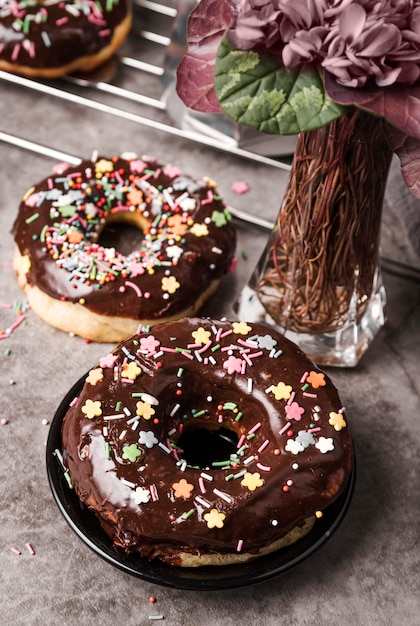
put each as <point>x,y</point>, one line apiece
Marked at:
<point>250,382</point>
<point>249,460</point>
<point>203,502</point>
<point>225,496</point>
<point>206,476</point>
<point>127,482</point>
<point>174,410</point>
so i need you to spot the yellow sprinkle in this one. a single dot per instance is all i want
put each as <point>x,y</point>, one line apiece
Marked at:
<point>318,514</point>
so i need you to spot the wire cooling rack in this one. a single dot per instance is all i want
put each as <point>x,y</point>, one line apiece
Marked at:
<point>145,57</point>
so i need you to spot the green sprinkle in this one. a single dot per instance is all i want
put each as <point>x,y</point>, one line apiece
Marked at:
<point>305,386</point>
<point>221,464</point>
<point>180,372</point>
<point>183,350</point>
<point>107,451</point>
<point>229,476</point>
<point>244,255</point>
<point>251,436</point>
<point>7,352</point>
<point>118,406</point>
<point>31,218</point>
<point>239,416</point>
<point>188,514</point>
<point>137,394</point>
<point>199,413</point>
<point>242,449</point>
<point>216,347</point>
<point>231,406</point>
<point>68,479</point>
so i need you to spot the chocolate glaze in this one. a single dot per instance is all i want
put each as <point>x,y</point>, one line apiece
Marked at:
<point>59,220</point>
<point>41,34</point>
<point>300,465</point>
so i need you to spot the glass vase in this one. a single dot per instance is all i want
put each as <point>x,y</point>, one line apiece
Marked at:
<point>318,279</point>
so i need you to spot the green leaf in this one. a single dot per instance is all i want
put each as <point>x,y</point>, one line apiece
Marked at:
<point>255,91</point>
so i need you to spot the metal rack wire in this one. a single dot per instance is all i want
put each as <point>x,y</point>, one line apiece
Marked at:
<point>91,91</point>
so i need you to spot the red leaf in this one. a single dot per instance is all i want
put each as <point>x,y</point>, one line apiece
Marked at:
<point>399,104</point>
<point>207,24</point>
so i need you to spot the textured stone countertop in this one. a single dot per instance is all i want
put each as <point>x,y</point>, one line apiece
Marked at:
<point>366,573</point>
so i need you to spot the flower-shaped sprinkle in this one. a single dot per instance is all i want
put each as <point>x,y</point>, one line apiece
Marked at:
<point>282,391</point>
<point>337,420</point>
<point>316,379</point>
<point>95,376</point>
<point>103,166</point>
<point>147,438</point>
<point>108,360</point>
<point>266,342</point>
<point>252,481</point>
<point>135,196</point>
<point>305,438</point>
<point>325,444</point>
<point>170,284</point>
<point>172,171</point>
<point>131,452</point>
<point>150,344</point>
<point>130,370</point>
<point>218,218</point>
<point>241,328</point>
<point>177,224</point>
<point>294,411</point>
<point>135,268</point>
<point>92,408</point>
<point>174,252</point>
<point>182,489</point>
<point>233,365</point>
<point>294,446</point>
<point>214,519</point>
<point>144,410</point>
<point>201,336</point>
<point>199,230</point>
<point>141,495</point>
<point>138,166</point>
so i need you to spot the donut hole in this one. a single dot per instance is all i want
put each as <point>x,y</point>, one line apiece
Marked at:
<point>203,446</point>
<point>125,233</point>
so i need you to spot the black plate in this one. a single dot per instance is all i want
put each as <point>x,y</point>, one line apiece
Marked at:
<point>85,524</point>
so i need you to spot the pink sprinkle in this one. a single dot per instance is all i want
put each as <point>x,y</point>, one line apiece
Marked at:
<point>206,347</point>
<point>240,545</point>
<point>263,445</point>
<point>315,430</point>
<point>239,187</point>
<point>135,287</point>
<point>306,394</point>
<point>202,485</point>
<point>264,468</point>
<point>241,441</point>
<point>16,550</point>
<point>285,428</point>
<point>154,493</point>
<point>304,377</point>
<point>30,549</point>
<point>4,421</point>
<point>254,428</point>
<point>15,52</point>
<point>292,397</point>
<point>62,20</point>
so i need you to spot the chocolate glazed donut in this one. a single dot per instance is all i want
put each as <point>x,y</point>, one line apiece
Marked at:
<point>207,442</point>
<point>79,285</point>
<point>52,38</point>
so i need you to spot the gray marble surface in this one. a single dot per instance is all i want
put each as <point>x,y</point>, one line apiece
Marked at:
<point>368,571</point>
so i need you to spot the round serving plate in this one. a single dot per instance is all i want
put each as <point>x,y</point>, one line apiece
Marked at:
<point>85,524</point>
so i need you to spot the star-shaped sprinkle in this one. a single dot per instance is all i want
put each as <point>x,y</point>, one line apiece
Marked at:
<point>170,284</point>
<point>325,444</point>
<point>92,408</point>
<point>281,391</point>
<point>182,489</point>
<point>337,420</point>
<point>95,376</point>
<point>316,379</point>
<point>131,452</point>
<point>214,519</point>
<point>141,495</point>
<point>130,370</point>
<point>201,336</point>
<point>145,410</point>
<point>241,328</point>
<point>252,481</point>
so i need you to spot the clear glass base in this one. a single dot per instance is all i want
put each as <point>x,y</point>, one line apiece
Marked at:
<point>342,348</point>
